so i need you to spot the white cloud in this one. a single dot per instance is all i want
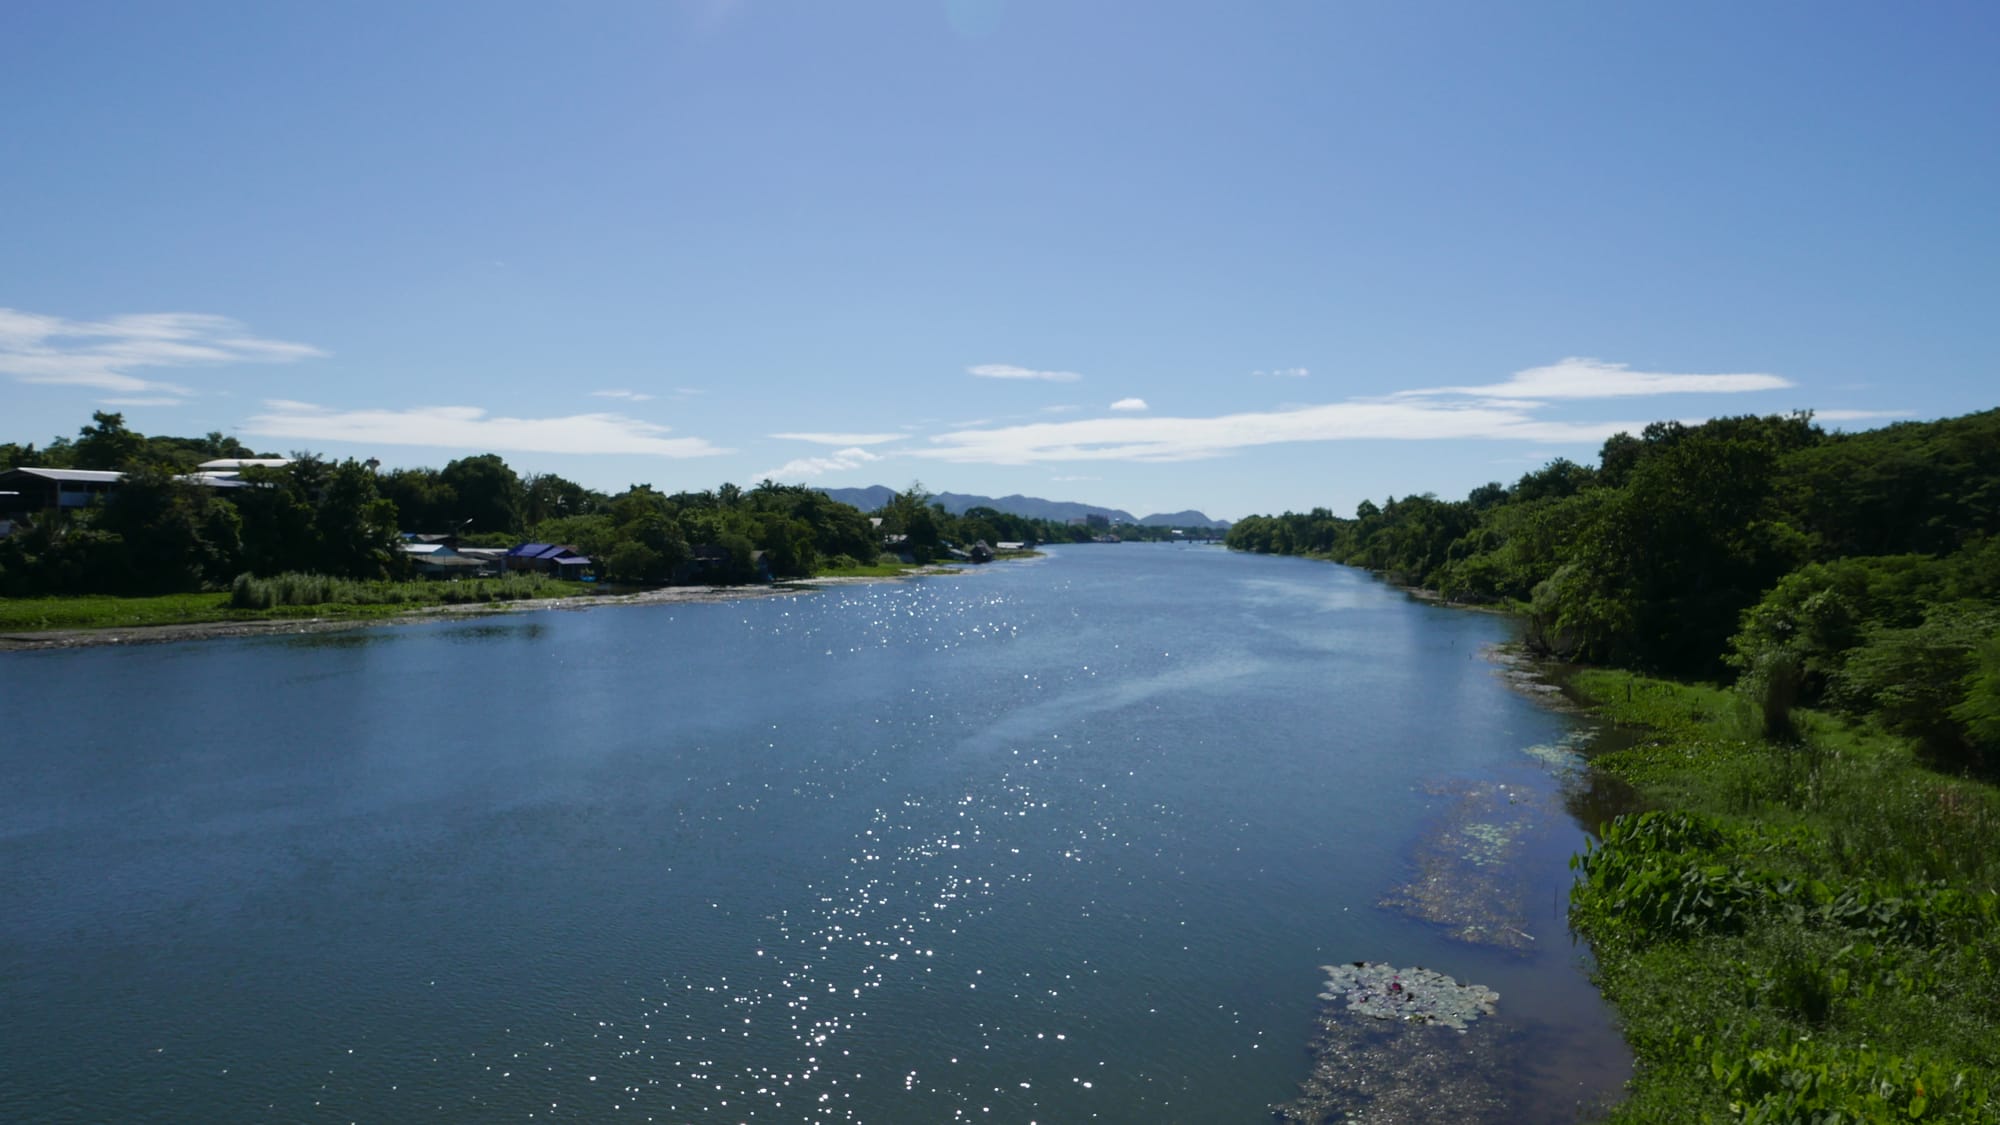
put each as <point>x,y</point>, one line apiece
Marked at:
<point>1060,408</point>
<point>468,427</point>
<point>145,400</point>
<point>1284,373</point>
<point>629,396</point>
<point>1134,404</point>
<point>804,467</point>
<point>1187,439</point>
<point>35,348</point>
<point>841,439</point>
<point>1009,371</point>
<point>1576,378</point>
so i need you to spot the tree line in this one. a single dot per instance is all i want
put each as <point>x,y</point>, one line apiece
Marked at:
<point>1859,572</point>
<point>159,533</point>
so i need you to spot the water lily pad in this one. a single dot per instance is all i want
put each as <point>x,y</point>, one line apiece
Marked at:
<point>1418,995</point>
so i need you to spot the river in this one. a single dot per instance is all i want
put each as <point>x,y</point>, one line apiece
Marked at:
<point>1056,840</point>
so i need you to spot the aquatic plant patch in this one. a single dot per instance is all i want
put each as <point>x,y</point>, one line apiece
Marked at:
<point>1465,878</point>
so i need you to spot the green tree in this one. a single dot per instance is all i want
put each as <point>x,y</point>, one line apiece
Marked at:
<point>106,443</point>
<point>424,502</point>
<point>486,491</point>
<point>546,496</point>
<point>356,526</point>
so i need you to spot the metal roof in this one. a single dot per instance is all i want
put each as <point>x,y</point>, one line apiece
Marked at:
<point>90,476</point>
<point>227,463</point>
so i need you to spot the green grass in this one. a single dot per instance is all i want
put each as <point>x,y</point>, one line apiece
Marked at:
<point>1803,928</point>
<point>353,600</point>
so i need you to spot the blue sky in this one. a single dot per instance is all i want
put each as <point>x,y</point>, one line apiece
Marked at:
<point>1238,257</point>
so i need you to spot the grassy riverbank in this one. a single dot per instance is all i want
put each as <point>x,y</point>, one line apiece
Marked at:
<point>869,570</point>
<point>296,596</point>
<point>286,596</point>
<point>1800,931</point>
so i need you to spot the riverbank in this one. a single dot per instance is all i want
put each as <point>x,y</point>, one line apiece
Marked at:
<point>1795,929</point>
<point>182,617</point>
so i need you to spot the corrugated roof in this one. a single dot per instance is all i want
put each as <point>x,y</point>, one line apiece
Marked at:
<point>528,550</point>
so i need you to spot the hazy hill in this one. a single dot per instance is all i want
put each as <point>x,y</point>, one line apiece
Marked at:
<point>1032,507</point>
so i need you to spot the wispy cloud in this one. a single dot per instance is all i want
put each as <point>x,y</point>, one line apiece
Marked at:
<point>804,468</point>
<point>1060,408</point>
<point>841,439</point>
<point>1860,415</point>
<point>1283,373</point>
<point>1577,378</point>
<point>1134,404</point>
<point>35,348</point>
<point>628,396</point>
<point>1508,410</point>
<point>145,400</point>
<point>469,427</point>
<point>1187,439</point>
<point>1009,371</point>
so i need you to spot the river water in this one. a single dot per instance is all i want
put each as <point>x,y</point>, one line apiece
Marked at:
<point>1056,840</point>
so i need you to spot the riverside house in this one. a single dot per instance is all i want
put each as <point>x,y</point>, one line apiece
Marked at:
<point>27,492</point>
<point>548,558</point>
<point>439,560</point>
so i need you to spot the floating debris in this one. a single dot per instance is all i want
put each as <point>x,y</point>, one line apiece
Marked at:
<point>1417,995</point>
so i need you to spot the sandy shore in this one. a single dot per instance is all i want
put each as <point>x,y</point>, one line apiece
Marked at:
<point>200,630</point>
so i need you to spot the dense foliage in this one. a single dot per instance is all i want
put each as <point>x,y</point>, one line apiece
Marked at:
<point>1859,571</point>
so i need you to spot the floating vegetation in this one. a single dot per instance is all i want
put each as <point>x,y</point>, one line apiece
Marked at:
<point>1564,757</point>
<point>1418,995</point>
<point>1391,1048</point>
<point>1465,876</point>
<point>1523,673</point>
<point>1487,844</point>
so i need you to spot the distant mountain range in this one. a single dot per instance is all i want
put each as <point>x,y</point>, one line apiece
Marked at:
<point>1032,507</point>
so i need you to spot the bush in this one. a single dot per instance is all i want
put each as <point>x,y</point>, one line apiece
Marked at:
<point>1656,875</point>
